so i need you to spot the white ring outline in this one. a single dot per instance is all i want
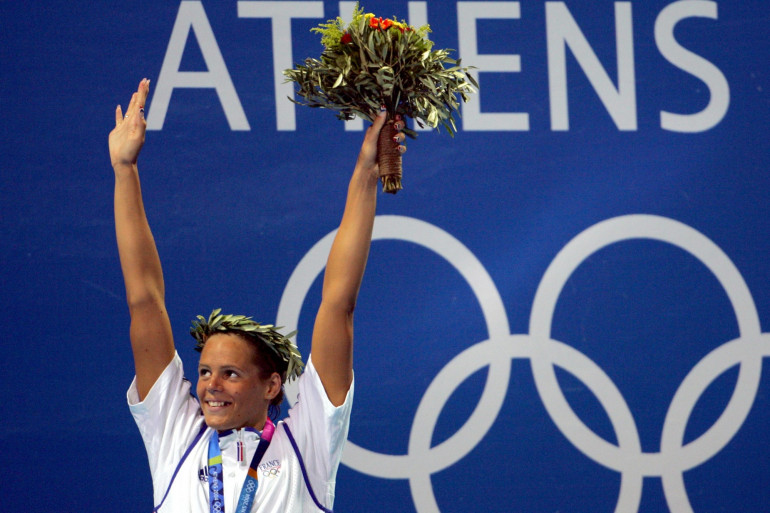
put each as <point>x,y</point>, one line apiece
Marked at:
<point>571,256</point>
<point>418,232</point>
<point>635,464</point>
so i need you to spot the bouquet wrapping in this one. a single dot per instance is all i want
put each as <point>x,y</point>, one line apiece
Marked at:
<point>373,62</point>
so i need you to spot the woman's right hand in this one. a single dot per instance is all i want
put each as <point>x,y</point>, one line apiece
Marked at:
<point>127,138</point>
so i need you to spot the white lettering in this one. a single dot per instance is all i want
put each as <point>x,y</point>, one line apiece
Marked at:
<point>693,64</point>
<point>192,16</point>
<point>562,31</point>
<point>281,14</point>
<point>467,14</point>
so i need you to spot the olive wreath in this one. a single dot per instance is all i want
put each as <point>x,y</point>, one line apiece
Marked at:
<point>280,344</point>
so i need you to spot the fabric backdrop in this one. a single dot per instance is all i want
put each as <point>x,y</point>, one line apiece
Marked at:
<point>566,308</point>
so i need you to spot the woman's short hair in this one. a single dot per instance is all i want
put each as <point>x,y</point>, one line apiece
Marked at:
<point>274,352</point>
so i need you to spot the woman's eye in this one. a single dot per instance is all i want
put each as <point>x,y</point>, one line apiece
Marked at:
<point>203,372</point>
<point>231,374</point>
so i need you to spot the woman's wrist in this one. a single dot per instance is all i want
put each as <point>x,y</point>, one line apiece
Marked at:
<point>124,168</point>
<point>367,176</point>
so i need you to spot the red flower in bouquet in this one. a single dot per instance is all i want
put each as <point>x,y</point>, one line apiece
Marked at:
<point>367,63</point>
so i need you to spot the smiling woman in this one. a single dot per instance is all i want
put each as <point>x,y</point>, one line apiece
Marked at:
<point>231,387</point>
<point>192,444</point>
<point>275,356</point>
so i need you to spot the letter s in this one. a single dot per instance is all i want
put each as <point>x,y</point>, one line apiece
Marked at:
<point>692,64</point>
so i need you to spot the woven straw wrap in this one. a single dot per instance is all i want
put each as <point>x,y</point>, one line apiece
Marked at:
<point>389,159</point>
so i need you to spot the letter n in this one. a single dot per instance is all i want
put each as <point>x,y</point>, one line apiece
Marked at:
<point>192,16</point>
<point>562,32</point>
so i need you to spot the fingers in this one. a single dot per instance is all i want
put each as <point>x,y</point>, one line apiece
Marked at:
<point>138,99</point>
<point>398,124</point>
<point>127,138</point>
<point>369,148</point>
<point>142,92</point>
<point>130,108</point>
<point>399,137</point>
<point>374,131</point>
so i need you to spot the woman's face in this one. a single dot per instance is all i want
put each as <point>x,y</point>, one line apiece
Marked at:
<point>231,392</point>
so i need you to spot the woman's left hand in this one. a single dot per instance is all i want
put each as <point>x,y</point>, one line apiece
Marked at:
<point>367,158</point>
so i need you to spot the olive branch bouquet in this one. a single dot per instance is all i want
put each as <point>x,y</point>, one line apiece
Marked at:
<point>373,62</point>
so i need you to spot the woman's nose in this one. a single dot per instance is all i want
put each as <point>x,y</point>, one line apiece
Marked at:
<point>214,383</point>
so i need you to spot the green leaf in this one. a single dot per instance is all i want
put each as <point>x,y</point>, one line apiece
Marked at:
<point>399,69</point>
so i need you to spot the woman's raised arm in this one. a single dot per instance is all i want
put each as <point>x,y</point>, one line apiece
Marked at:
<point>332,346</point>
<point>151,337</point>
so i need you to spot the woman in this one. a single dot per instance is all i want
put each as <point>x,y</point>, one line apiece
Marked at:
<point>224,453</point>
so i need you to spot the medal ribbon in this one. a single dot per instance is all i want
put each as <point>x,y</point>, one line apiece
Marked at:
<point>250,484</point>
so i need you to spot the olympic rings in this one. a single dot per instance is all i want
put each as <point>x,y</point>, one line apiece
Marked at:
<point>271,472</point>
<point>627,456</point>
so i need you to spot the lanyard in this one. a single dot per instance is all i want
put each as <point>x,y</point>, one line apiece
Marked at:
<point>250,484</point>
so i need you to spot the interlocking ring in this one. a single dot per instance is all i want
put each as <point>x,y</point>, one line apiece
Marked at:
<point>627,456</point>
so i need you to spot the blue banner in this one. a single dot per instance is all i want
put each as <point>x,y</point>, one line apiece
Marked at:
<point>565,309</point>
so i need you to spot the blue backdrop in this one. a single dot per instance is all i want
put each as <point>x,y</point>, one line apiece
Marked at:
<point>566,308</point>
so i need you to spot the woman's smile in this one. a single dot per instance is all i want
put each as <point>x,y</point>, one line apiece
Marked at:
<point>230,387</point>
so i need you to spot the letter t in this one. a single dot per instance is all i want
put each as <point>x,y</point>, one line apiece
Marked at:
<point>281,14</point>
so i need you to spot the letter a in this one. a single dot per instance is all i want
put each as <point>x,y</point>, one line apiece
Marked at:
<point>192,16</point>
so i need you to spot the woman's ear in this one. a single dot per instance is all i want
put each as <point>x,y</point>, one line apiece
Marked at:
<point>273,386</point>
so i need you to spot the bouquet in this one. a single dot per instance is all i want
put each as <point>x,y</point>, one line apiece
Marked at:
<point>375,62</point>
